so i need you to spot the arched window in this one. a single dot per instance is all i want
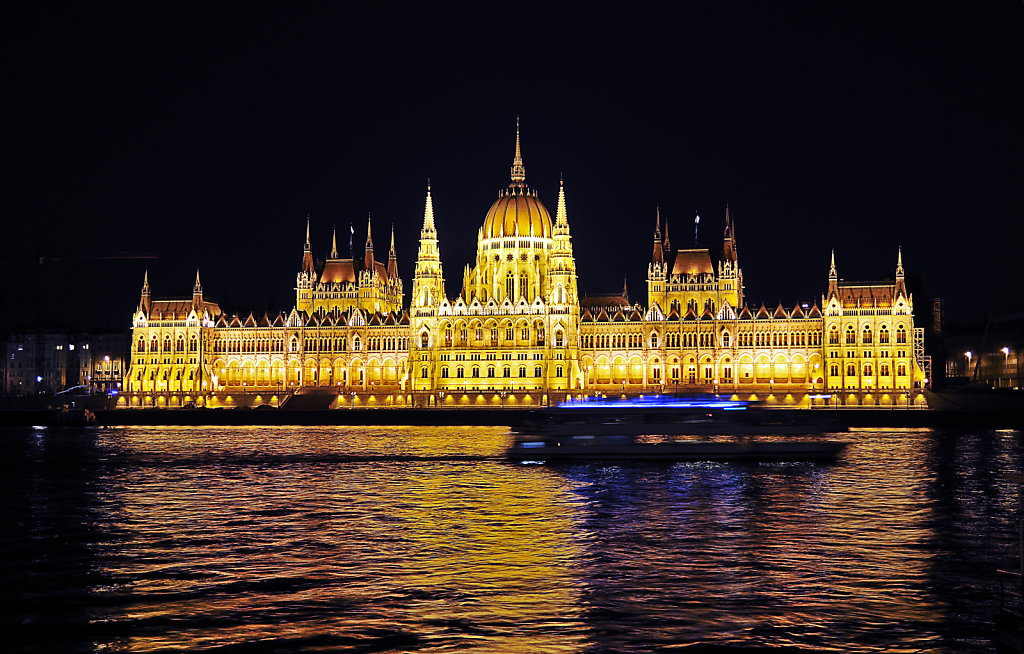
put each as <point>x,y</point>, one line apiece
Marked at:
<point>867,369</point>
<point>506,372</point>
<point>654,339</point>
<point>558,338</point>
<point>490,371</point>
<point>851,336</point>
<point>866,336</point>
<point>476,371</point>
<point>510,283</point>
<point>536,371</point>
<point>356,344</point>
<point>524,286</point>
<point>167,344</point>
<point>460,372</point>
<point>851,370</point>
<point>833,370</point>
<point>444,372</point>
<point>833,336</point>
<point>901,370</point>
<point>424,339</point>
<point>901,335</point>
<point>522,371</point>
<point>725,339</point>
<point>181,344</point>
<point>883,336</point>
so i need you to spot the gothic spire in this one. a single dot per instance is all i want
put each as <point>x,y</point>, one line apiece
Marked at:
<point>307,252</point>
<point>144,301</point>
<point>901,286</point>
<point>428,212</point>
<point>561,219</point>
<point>832,267</point>
<point>369,244</point>
<point>197,292</point>
<point>392,257</point>
<point>658,255</point>
<point>518,170</point>
<point>334,243</point>
<point>668,244</point>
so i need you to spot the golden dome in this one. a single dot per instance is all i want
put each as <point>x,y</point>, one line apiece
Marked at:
<point>515,213</point>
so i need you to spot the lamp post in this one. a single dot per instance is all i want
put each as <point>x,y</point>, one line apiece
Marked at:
<point>503,394</point>
<point>440,399</point>
<point>968,354</point>
<point>1006,363</point>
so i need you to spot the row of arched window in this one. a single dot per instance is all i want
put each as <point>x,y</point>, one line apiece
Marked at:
<point>866,336</point>
<point>868,370</point>
<point>169,345</point>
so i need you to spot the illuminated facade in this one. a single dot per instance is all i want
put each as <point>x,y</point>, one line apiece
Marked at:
<point>519,334</point>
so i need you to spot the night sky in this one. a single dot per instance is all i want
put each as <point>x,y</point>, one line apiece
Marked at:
<point>169,138</point>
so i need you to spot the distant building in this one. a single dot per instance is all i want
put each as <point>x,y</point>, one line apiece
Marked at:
<point>989,354</point>
<point>518,333</point>
<point>47,361</point>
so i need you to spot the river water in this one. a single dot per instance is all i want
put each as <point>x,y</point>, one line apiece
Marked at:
<point>420,539</point>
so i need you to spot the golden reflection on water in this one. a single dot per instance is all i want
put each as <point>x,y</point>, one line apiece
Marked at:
<point>478,552</point>
<point>237,536</point>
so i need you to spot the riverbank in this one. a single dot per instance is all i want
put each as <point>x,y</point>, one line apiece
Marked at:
<point>878,418</point>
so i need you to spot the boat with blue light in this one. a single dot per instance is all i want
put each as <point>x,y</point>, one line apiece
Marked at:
<point>699,416</point>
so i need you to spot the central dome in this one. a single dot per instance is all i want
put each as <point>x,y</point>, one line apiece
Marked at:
<point>517,213</point>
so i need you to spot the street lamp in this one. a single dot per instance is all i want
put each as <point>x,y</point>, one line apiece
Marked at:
<point>1006,363</point>
<point>968,354</point>
<point>440,399</point>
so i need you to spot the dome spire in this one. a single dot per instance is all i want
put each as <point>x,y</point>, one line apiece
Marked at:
<point>518,170</point>
<point>428,212</point>
<point>561,219</point>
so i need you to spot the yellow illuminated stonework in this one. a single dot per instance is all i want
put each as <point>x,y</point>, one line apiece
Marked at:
<point>518,334</point>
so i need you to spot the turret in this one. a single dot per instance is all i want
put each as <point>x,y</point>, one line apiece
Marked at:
<point>428,279</point>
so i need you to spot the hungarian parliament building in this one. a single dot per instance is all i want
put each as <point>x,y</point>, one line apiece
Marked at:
<point>518,333</point>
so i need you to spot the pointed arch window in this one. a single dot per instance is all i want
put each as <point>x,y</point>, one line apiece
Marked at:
<point>866,335</point>
<point>851,336</point>
<point>901,335</point>
<point>510,285</point>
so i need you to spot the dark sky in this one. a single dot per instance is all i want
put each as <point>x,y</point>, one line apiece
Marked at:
<point>203,136</point>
